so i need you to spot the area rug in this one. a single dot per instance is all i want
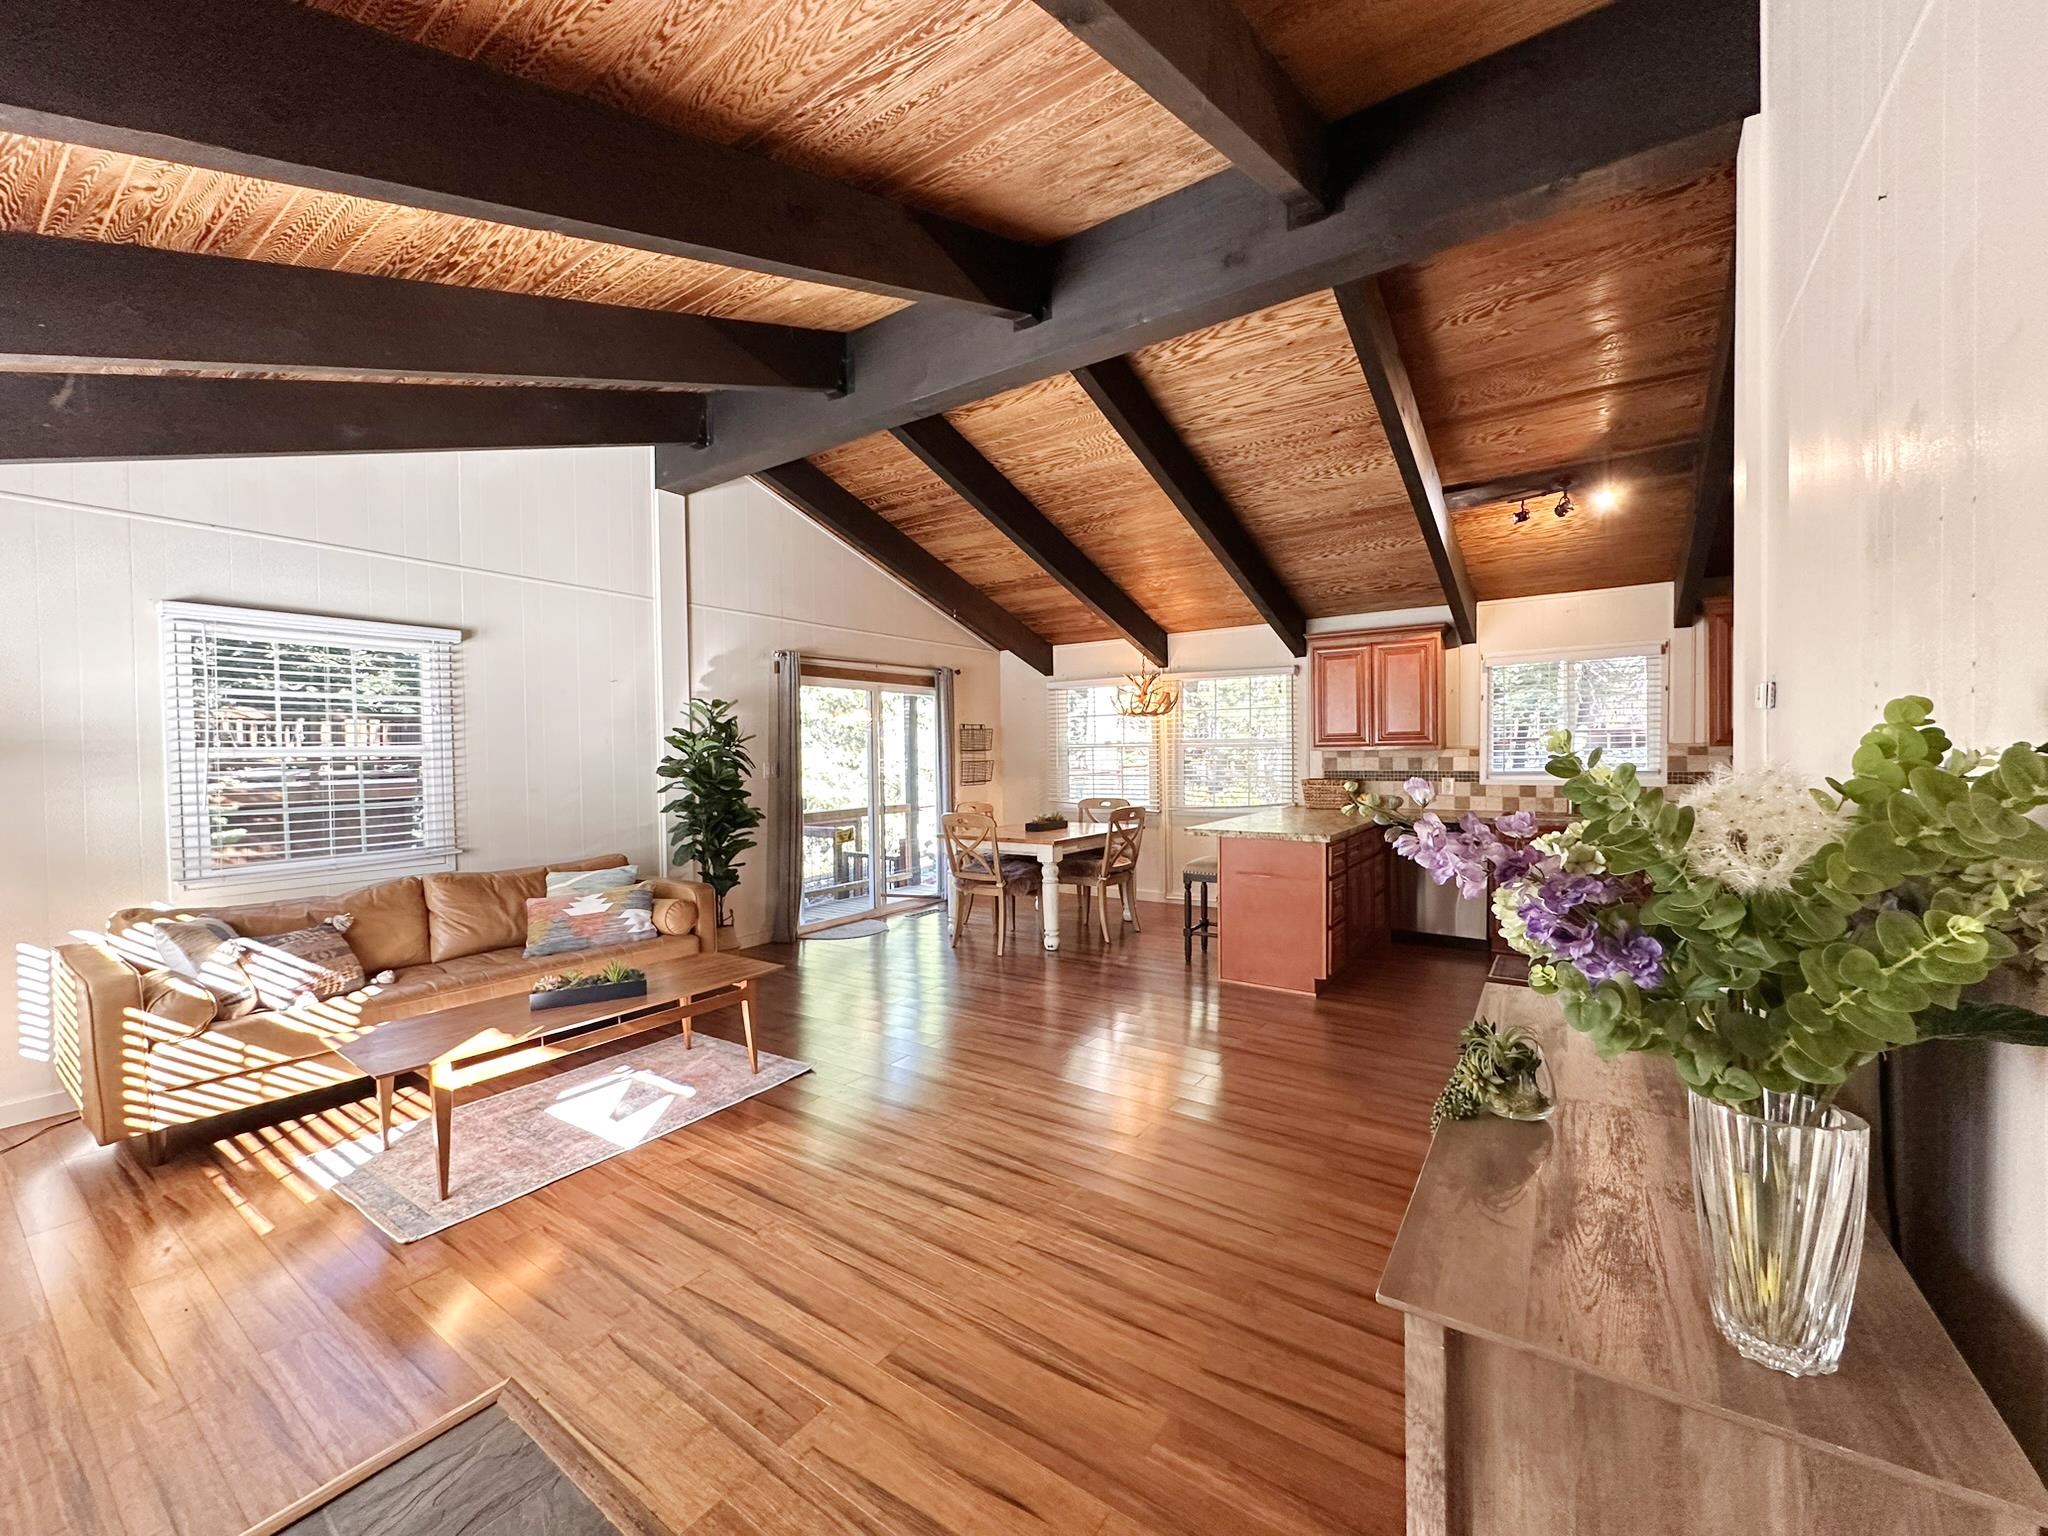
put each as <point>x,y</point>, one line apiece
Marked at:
<point>512,1143</point>
<point>867,928</point>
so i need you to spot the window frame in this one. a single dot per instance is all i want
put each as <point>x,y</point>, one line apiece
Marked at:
<point>1177,746</point>
<point>1059,789</point>
<point>1658,652</point>
<point>189,767</point>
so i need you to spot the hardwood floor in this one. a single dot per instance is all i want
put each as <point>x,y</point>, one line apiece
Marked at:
<point>1081,1243</point>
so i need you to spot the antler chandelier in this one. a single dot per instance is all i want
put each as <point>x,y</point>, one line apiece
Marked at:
<point>1147,695</point>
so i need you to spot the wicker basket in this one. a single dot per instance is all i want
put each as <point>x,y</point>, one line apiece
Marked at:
<point>1324,794</point>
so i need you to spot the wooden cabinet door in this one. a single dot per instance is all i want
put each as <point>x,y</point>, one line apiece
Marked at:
<point>1338,684</point>
<point>1407,682</point>
<point>1718,616</point>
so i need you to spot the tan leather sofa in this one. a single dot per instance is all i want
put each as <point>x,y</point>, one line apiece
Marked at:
<point>142,1054</point>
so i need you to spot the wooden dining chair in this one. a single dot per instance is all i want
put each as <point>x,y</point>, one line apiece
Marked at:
<point>1095,812</point>
<point>978,866</point>
<point>976,807</point>
<point>1113,868</point>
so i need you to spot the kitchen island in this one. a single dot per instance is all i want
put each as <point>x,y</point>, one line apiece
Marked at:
<point>1304,893</point>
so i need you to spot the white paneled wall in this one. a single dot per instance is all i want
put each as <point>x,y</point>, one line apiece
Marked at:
<point>1893,384</point>
<point>543,559</point>
<point>761,577</point>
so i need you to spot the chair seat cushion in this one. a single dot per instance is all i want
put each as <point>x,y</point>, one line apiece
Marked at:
<point>1199,870</point>
<point>1016,867</point>
<point>1081,866</point>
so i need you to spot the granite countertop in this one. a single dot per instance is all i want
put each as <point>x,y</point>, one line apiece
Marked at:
<point>1289,824</point>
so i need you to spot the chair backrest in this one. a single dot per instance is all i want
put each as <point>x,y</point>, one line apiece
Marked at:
<point>1120,848</point>
<point>1095,813</point>
<point>971,848</point>
<point>977,807</point>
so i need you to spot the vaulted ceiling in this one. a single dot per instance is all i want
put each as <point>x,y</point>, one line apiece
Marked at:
<point>1141,319</point>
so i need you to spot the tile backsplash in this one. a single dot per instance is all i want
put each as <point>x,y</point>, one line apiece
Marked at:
<point>1455,774</point>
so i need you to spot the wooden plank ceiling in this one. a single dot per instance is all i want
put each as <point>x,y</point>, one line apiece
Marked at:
<point>1574,339</point>
<point>1566,342</point>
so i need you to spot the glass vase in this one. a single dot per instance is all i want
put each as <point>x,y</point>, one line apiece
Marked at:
<point>1779,1190</point>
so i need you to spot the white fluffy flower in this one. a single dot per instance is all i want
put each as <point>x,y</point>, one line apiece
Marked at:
<point>1753,829</point>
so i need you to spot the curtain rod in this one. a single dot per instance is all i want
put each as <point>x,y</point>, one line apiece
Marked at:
<point>859,661</point>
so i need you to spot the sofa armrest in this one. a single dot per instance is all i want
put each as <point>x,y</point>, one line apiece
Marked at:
<point>684,906</point>
<point>97,1039</point>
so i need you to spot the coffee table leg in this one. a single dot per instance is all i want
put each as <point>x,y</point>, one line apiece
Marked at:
<point>747,1022</point>
<point>384,1087</point>
<point>444,1125</point>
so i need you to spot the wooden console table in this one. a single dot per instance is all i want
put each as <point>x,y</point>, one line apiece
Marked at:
<point>1563,1373</point>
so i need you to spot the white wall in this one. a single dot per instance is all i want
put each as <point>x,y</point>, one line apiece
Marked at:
<point>761,578</point>
<point>1893,387</point>
<point>542,559</point>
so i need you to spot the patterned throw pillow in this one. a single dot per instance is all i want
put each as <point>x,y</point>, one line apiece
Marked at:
<point>566,882</point>
<point>580,920</point>
<point>207,952</point>
<point>304,965</point>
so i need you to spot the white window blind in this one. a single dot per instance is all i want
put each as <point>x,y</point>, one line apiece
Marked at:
<point>298,743</point>
<point>1613,701</point>
<point>1095,752</point>
<point>1234,742</point>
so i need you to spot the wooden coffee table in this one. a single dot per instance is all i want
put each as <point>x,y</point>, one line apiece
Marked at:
<point>455,1048</point>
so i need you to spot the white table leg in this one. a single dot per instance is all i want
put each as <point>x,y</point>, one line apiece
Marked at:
<point>1049,894</point>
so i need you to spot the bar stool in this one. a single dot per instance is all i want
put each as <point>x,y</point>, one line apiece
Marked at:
<point>1196,872</point>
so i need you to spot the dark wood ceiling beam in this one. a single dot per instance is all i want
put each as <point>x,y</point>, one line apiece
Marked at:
<point>111,416</point>
<point>1648,464</point>
<point>1637,94</point>
<point>841,513</point>
<point>1128,406</point>
<point>1371,328</point>
<point>1713,486</point>
<point>1201,60</point>
<point>938,445</point>
<point>89,306</point>
<point>277,90</point>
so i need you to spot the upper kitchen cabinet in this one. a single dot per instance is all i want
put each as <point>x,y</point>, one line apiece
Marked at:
<point>1377,688</point>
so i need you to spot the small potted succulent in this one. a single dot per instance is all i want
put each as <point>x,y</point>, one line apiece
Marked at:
<point>1499,1072</point>
<point>567,988</point>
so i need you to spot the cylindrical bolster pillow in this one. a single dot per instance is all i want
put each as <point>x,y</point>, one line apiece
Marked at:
<point>182,1005</point>
<point>672,914</point>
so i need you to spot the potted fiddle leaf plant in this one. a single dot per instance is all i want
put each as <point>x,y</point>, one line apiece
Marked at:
<point>704,793</point>
<point>1771,938</point>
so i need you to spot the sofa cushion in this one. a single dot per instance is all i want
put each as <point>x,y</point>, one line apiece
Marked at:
<point>305,964</point>
<point>468,914</point>
<point>595,861</point>
<point>390,928</point>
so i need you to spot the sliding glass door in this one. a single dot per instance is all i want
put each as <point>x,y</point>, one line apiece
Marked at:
<point>868,760</point>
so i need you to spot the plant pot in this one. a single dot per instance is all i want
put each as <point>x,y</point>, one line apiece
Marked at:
<point>1780,1194</point>
<point>568,997</point>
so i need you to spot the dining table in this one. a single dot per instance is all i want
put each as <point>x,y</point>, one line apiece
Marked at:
<point>1049,847</point>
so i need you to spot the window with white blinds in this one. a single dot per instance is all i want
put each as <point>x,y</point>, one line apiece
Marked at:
<point>1611,700</point>
<point>1095,752</point>
<point>298,743</point>
<point>1234,742</point>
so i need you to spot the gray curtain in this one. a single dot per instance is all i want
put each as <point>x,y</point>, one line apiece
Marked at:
<point>785,810</point>
<point>942,691</point>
